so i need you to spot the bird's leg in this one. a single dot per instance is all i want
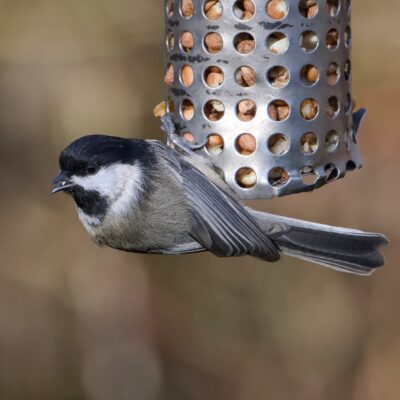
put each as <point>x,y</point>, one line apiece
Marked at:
<point>168,126</point>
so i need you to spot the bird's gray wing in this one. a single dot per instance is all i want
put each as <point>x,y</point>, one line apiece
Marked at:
<point>220,223</point>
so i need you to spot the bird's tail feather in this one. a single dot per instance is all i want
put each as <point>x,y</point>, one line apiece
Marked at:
<point>342,249</point>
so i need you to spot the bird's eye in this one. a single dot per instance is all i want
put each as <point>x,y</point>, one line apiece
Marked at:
<point>92,169</point>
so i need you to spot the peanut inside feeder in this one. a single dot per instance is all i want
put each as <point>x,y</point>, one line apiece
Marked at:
<point>266,85</point>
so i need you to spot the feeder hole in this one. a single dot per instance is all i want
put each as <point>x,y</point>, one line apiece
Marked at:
<point>187,76</point>
<point>308,176</point>
<point>169,76</point>
<point>333,107</point>
<point>347,37</point>
<point>244,43</point>
<point>309,143</point>
<point>187,110</point>
<point>213,9</point>
<point>215,144</point>
<point>308,8</point>
<point>246,178</point>
<point>331,141</point>
<point>351,165</point>
<point>214,110</point>
<point>309,41</point>
<point>333,7</point>
<point>332,173</point>
<point>278,144</point>
<point>170,8</point>
<point>278,77</point>
<point>309,109</point>
<point>332,74</point>
<point>245,76</point>
<point>213,42</point>
<point>349,104</point>
<point>332,39</point>
<point>278,177</point>
<point>347,70</point>
<point>244,9</point>
<point>246,110</point>
<point>187,8</point>
<point>246,144</point>
<point>278,110</point>
<point>187,42</point>
<point>277,43</point>
<point>309,74</point>
<point>214,77</point>
<point>277,9</point>
<point>188,136</point>
<point>170,40</point>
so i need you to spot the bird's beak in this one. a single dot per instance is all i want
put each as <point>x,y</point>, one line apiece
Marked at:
<point>62,182</point>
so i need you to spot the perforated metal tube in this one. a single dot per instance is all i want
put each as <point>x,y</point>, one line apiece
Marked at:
<point>301,64</point>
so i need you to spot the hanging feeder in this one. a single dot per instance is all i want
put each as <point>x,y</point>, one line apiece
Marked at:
<point>267,86</point>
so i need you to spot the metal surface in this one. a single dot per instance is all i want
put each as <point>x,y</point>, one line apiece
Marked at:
<point>327,165</point>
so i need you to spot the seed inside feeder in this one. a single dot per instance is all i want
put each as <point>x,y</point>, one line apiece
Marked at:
<point>214,77</point>
<point>278,77</point>
<point>333,7</point>
<point>169,76</point>
<point>277,43</point>
<point>309,41</point>
<point>214,110</point>
<point>278,110</point>
<point>333,107</point>
<point>309,143</point>
<point>187,8</point>
<point>308,175</point>
<point>308,8</point>
<point>213,9</point>
<point>213,42</point>
<point>331,141</point>
<point>187,42</point>
<point>170,8</point>
<point>309,109</point>
<point>170,40</point>
<point>215,144</point>
<point>246,110</point>
<point>332,39</point>
<point>277,9</point>
<point>245,76</point>
<point>309,74</point>
<point>278,144</point>
<point>348,5</point>
<point>244,43</point>
<point>246,178</point>
<point>332,74</point>
<point>278,177</point>
<point>246,144</point>
<point>188,136</point>
<point>187,110</point>
<point>244,9</point>
<point>187,76</point>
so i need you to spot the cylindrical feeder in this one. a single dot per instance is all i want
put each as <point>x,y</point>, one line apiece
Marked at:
<point>267,84</point>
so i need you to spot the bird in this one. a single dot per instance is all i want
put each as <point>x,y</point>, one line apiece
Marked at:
<point>144,196</point>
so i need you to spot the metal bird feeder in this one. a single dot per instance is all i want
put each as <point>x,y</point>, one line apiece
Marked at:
<point>267,85</point>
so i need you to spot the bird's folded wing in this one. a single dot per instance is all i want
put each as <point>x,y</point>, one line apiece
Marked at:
<point>220,223</point>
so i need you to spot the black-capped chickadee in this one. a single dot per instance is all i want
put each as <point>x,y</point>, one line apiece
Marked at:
<point>144,196</point>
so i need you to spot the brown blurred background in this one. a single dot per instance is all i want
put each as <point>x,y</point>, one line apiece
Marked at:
<point>79,322</point>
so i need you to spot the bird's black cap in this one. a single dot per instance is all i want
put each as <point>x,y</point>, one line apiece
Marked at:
<point>87,154</point>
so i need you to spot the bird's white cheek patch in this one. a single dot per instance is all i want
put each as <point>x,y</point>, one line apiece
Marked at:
<point>119,183</point>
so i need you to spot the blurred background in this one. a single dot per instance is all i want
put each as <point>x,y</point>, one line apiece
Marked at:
<point>79,322</point>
